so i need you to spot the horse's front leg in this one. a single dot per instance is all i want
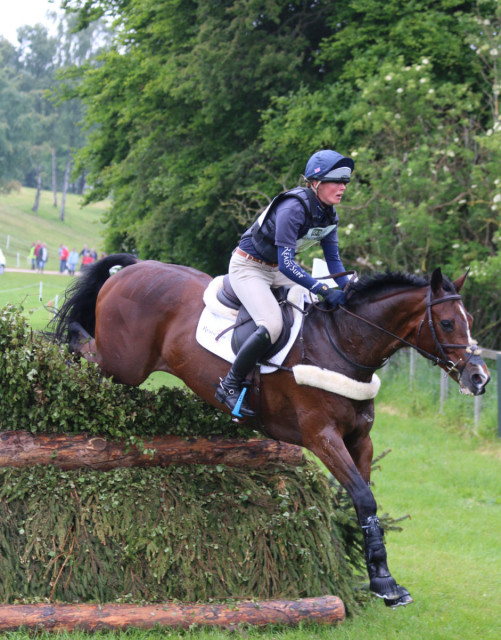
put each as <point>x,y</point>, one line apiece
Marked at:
<point>329,446</point>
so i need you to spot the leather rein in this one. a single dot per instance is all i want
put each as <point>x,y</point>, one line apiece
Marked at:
<point>442,359</point>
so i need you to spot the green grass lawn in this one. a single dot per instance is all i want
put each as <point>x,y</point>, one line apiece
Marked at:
<point>25,288</point>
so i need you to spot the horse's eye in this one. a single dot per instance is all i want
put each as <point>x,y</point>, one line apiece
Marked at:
<point>447,325</point>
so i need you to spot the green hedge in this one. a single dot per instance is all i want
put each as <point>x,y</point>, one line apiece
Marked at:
<point>185,532</point>
<point>45,388</point>
<point>190,533</point>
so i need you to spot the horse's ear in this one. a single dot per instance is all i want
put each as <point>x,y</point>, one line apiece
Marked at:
<point>436,280</point>
<point>458,284</point>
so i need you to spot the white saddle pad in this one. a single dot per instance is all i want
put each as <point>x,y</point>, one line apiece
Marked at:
<point>216,318</point>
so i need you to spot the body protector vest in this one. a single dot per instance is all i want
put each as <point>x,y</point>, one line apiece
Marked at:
<point>262,232</point>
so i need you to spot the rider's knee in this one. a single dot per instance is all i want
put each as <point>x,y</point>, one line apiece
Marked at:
<point>274,329</point>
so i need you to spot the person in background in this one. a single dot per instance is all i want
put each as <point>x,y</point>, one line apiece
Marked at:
<point>72,262</point>
<point>2,262</point>
<point>38,247</point>
<point>42,257</point>
<point>33,256</point>
<point>87,259</point>
<point>63,258</point>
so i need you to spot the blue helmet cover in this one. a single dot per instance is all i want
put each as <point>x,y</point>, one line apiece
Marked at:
<point>323,161</point>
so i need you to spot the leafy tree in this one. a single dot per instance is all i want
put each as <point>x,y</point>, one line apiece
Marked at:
<point>202,110</point>
<point>426,143</point>
<point>15,121</point>
<point>177,105</point>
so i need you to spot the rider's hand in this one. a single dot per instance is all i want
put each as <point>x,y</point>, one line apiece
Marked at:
<point>332,297</point>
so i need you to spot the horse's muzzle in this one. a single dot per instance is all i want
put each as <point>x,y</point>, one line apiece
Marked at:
<point>474,377</point>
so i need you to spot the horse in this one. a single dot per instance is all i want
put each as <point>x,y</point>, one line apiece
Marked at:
<point>143,318</point>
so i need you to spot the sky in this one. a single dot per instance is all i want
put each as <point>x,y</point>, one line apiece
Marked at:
<point>20,13</point>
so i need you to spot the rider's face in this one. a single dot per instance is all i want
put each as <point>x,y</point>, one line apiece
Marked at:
<point>330,193</point>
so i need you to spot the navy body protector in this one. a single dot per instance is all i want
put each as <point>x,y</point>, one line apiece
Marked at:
<point>262,231</point>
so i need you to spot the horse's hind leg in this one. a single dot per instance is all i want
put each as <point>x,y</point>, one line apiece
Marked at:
<point>328,445</point>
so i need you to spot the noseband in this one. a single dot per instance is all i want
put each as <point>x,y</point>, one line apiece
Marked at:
<point>450,367</point>
<point>442,359</point>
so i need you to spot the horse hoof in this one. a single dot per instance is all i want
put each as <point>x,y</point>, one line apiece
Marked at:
<point>385,587</point>
<point>393,594</point>
<point>399,602</point>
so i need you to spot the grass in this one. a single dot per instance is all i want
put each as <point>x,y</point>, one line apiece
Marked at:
<point>19,226</point>
<point>24,289</point>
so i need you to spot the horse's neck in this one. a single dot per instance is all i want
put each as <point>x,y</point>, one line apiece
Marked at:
<point>387,324</point>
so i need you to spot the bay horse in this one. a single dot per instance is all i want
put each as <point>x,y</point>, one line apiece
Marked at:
<point>144,318</point>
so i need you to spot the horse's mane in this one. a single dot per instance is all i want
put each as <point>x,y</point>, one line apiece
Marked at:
<point>381,283</point>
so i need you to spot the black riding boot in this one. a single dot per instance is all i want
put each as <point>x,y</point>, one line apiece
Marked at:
<point>231,390</point>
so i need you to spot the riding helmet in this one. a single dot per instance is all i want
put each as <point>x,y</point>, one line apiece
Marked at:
<point>329,166</point>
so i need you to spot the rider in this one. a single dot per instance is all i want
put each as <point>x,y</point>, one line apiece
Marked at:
<point>265,258</point>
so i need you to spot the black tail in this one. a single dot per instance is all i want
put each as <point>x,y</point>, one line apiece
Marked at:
<point>81,296</point>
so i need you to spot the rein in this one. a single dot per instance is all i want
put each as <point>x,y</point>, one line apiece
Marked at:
<point>441,359</point>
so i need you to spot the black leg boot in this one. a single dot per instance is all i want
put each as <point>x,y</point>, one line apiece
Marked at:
<point>231,390</point>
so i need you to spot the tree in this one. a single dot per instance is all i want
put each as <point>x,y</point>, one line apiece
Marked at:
<point>15,121</point>
<point>203,110</point>
<point>175,109</point>
<point>426,146</point>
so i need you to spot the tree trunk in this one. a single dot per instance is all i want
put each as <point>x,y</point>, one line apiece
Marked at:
<point>39,188</point>
<point>54,179</point>
<point>81,182</point>
<point>73,451</point>
<point>65,184</point>
<point>93,617</point>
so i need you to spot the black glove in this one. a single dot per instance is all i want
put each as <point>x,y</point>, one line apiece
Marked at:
<point>332,297</point>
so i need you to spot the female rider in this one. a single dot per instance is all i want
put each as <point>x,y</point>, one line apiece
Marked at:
<point>265,259</point>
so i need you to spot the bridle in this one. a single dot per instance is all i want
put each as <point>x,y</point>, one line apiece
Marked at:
<point>454,368</point>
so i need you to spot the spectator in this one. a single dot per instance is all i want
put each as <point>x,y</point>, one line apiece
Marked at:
<point>38,246</point>
<point>42,257</point>
<point>33,256</point>
<point>2,262</point>
<point>63,258</point>
<point>72,262</point>
<point>86,260</point>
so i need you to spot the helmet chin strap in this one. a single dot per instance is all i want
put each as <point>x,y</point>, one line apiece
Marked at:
<point>315,187</point>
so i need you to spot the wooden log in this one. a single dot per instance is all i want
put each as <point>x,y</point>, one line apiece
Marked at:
<point>94,617</point>
<point>73,451</point>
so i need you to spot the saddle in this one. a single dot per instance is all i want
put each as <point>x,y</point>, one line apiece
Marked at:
<point>245,326</point>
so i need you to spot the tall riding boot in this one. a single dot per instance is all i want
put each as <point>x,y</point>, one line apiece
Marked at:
<point>232,390</point>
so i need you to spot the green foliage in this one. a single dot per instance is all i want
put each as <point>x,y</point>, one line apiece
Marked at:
<point>45,389</point>
<point>177,102</point>
<point>187,532</point>
<point>426,144</point>
<point>190,533</point>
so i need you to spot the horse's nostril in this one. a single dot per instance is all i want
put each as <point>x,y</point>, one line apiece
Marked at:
<point>479,380</point>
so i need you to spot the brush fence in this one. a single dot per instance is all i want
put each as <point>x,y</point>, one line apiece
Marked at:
<point>86,518</point>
